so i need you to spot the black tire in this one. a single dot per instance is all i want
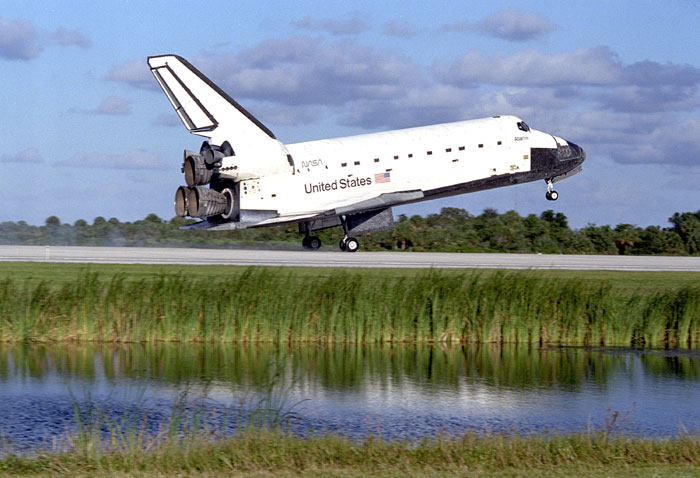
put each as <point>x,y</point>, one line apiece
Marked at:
<point>305,242</point>
<point>351,244</point>
<point>341,243</point>
<point>314,242</point>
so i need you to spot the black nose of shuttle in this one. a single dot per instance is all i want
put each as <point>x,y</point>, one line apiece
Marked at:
<point>571,153</point>
<point>577,152</point>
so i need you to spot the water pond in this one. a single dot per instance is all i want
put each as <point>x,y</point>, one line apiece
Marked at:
<point>404,392</point>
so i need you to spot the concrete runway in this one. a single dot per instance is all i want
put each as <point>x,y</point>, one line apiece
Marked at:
<point>246,257</point>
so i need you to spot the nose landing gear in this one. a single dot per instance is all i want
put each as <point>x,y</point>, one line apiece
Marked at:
<point>551,194</point>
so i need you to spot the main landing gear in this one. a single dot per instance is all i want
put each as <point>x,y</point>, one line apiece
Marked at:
<point>311,242</point>
<point>551,194</point>
<point>347,243</point>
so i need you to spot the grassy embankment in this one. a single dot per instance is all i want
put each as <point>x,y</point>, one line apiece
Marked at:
<point>266,452</point>
<point>47,302</point>
<point>71,302</point>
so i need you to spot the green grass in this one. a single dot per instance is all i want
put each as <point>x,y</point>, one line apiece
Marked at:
<point>621,282</point>
<point>266,452</point>
<point>258,304</point>
<point>559,472</point>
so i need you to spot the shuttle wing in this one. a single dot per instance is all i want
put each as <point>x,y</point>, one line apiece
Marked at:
<point>201,105</point>
<point>383,201</point>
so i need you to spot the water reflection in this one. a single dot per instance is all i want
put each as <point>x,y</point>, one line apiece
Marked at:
<point>397,391</point>
<point>341,367</point>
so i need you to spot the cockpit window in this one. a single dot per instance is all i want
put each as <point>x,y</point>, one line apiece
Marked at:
<point>522,126</point>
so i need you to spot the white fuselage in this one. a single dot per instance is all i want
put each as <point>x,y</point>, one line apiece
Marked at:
<point>243,176</point>
<point>334,172</point>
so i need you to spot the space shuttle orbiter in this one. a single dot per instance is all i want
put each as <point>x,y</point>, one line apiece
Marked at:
<point>243,176</point>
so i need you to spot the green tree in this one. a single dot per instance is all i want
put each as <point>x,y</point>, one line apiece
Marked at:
<point>687,226</point>
<point>558,219</point>
<point>534,227</point>
<point>626,235</point>
<point>153,218</point>
<point>558,231</point>
<point>601,237</point>
<point>654,240</point>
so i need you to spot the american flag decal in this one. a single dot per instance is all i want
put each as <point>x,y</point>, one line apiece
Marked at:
<point>382,178</point>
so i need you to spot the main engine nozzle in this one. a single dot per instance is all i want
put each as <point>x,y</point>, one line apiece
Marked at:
<point>197,171</point>
<point>198,201</point>
<point>180,202</point>
<point>205,202</point>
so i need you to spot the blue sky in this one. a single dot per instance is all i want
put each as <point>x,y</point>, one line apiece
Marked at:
<point>86,131</point>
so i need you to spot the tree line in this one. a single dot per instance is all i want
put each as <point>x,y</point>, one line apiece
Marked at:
<point>450,230</point>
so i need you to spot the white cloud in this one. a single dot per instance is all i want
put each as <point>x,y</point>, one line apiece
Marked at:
<point>305,70</point>
<point>112,106</point>
<point>650,73</point>
<point>296,71</point>
<point>286,115</point>
<point>670,142</point>
<point>588,66</point>
<point>508,24</point>
<point>634,138</point>
<point>421,105</point>
<point>27,156</point>
<point>514,25</point>
<point>65,37</point>
<point>398,29</point>
<point>19,40</point>
<point>135,73</point>
<point>632,98</point>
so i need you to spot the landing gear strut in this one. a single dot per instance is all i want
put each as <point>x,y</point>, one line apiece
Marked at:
<point>347,244</point>
<point>551,194</point>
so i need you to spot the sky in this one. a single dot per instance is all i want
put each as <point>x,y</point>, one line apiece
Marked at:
<point>87,132</point>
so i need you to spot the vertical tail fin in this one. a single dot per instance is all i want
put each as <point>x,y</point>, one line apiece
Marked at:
<point>203,107</point>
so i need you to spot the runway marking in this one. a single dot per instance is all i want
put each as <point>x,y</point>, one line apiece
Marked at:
<point>243,257</point>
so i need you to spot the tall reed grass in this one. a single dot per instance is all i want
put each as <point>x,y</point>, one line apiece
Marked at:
<point>280,305</point>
